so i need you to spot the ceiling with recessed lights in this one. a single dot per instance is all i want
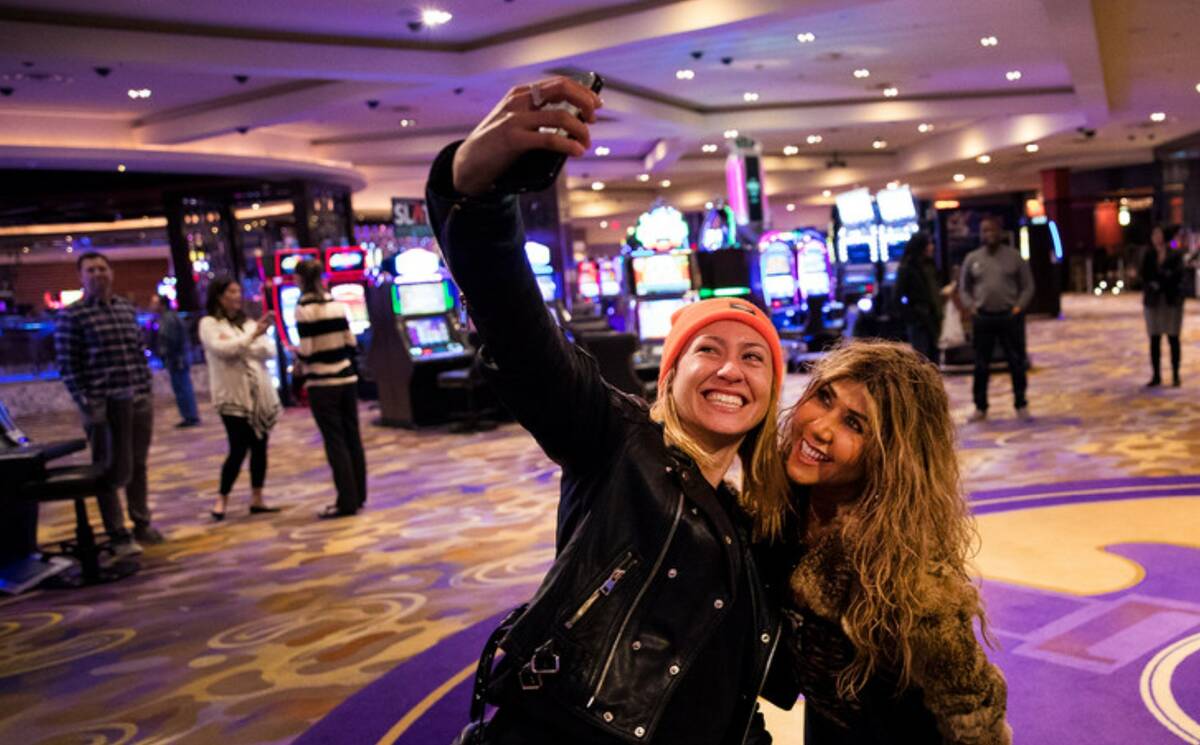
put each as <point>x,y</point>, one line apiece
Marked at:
<point>366,93</point>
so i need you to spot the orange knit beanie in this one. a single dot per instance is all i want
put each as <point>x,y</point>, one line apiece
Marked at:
<point>689,319</point>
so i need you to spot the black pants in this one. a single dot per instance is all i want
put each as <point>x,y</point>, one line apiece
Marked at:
<point>1009,330</point>
<point>924,340</point>
<point>335,407</point>
<point>242,439</point>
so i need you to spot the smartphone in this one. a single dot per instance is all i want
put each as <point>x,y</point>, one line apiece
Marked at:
<point>536,170</point>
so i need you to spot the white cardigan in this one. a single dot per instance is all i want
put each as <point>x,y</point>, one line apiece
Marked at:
<point>230,351</point>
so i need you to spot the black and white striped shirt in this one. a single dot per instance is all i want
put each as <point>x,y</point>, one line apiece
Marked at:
<point>327,346</point>
<point>100,350</point>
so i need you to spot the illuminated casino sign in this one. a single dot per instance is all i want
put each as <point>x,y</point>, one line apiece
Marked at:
<point>287,264</point>
<point>662,229</point>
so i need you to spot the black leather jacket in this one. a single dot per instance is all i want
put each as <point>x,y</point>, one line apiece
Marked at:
<point>1162,282</point>
<point>646,556</point>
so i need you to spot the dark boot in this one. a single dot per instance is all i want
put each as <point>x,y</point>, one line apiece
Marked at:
<point>1176,354</point>
<point>1155,361</point>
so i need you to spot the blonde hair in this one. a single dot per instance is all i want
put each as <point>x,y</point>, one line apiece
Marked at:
<point>764,493</point>
<point>911,520</point>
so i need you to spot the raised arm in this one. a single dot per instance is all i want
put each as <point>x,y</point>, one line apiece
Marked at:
<point>554,389</point>
<point>240,343</point>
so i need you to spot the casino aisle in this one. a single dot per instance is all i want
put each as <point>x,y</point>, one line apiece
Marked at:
<point>282,628</point>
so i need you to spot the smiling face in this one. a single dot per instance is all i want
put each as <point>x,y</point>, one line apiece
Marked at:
<point>231,300</point>
<point>829,433</point>
<point>96,276</point>
<point>722,386</point>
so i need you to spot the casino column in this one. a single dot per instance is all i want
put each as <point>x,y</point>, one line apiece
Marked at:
<point>200,230</point>
<point>322,214</point>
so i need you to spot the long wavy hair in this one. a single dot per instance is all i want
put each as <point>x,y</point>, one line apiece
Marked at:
<point>911,520</point>
<point>765,493</point>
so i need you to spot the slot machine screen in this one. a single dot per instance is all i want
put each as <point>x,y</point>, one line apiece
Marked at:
<point>814,272</point>
<point>547,286</point>
<point>354,297</point>
<point>654,317</point>
<point>428,337</point>
<point>610,286</point>
<point>779,287</point>
<point>777,261</point>
<point>589,279</point>
<point>858,253</point>
<point>662,274</point>
<point>425,298</point>
<point>289,297</point>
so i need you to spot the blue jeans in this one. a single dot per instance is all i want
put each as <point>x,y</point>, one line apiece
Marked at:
<point>185,396</point>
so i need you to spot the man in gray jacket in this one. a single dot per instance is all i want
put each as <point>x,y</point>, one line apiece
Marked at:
<point>996,287</point>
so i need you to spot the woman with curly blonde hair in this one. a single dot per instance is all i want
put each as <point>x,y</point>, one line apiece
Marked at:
<point>883,605</point>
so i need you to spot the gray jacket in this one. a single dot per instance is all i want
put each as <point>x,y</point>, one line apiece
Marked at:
<point>995,282</point>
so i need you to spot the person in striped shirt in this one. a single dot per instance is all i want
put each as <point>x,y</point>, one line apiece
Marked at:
<point>327,350</point>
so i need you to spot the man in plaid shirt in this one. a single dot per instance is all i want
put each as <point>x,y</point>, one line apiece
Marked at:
<point>102,358</point>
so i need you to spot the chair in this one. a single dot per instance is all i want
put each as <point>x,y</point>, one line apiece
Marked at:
<point>24,464</point>
<point>470,381</point>
<point>613,351</point>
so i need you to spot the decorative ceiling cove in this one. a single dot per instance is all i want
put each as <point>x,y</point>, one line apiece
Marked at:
<point>838,92</point>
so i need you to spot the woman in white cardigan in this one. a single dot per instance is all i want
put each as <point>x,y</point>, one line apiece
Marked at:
<point>236,350</point>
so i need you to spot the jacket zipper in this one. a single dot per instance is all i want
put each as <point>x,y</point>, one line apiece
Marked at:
<point>637,599</point>
<point>763,681</point>
<point>603,590</point>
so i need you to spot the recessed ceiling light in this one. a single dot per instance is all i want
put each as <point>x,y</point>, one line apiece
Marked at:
<point>989,41</point>
<point>1032,147</point>
<point>1158,116</point>
<point>791,207</point>
<point>731,134</point>
<point>959,178</point>
<point>924,127</point>
<point>814,139</point>
<point>602,151</point>
<point>879,144</point>
<point>891,92</point>
<point>603,224</point>
<point>1198,87</point>
<point>709,147</point>
<point>643,177</point>
<point>120,168</point>
<point>750,96</point>
<point>1013,75</point>
<point>862,72</point>
<point>790,149</point>
<point>827,193</point>
<point>685,74</point>
<point>984,159</point>
<point>597,186</point>
<point>806,38</point>
<point>665,183</point>
<point>407,122</point>
<point>138,93</point>
<point>433,17</point>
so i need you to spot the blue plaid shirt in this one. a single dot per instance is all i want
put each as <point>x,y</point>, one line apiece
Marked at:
<point>100,350</point>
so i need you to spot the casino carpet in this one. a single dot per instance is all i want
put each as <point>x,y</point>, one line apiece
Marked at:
<point>280,628</point>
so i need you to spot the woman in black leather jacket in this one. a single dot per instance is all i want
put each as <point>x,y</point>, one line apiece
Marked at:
<point>655,623</point>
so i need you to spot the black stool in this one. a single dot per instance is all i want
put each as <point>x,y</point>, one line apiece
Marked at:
<point>470,382</point>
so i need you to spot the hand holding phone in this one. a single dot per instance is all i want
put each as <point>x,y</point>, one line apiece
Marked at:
<point>522,144</point>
